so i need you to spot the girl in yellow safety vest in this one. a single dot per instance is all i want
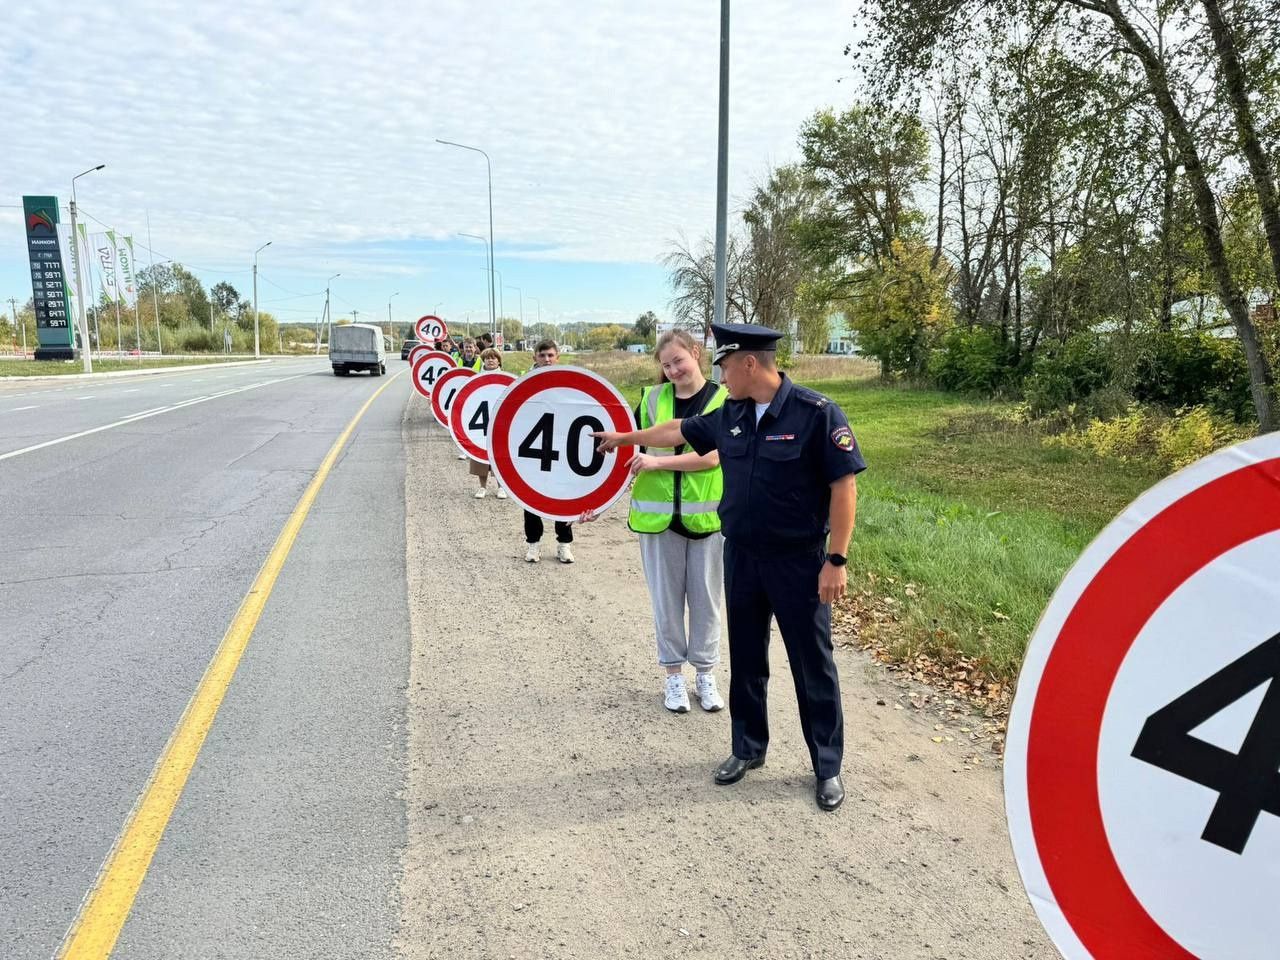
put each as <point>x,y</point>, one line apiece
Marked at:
<point>673,508</point>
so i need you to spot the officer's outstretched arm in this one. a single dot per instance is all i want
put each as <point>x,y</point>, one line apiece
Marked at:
<point>665,434</point>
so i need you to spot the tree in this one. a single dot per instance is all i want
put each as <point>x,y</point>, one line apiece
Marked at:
<point>774,262</point>
<point>646,327</point>
<point>869,160</point>
<point>605,336</point>
<point>903,308</point>
<point>1164,65</point>
<point>693,282</point>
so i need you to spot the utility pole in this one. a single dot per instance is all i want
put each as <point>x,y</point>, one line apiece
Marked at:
<point>328,317</point>
<point>256,354</point>
<point>13,307</point>
<point>722,176</point>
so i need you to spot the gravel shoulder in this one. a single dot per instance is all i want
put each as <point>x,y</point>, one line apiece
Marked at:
<point>555,809</point>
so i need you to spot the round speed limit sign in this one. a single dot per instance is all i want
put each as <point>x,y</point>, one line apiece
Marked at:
<point>472,412</point>
<point>541,448</point>
<point>428,368</point>
<point>1142,776</point>
<point>446,392</point>
<point>430,328</point>
<point>418,351</point>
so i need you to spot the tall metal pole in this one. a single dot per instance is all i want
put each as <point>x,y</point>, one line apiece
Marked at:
<point>476,236</point>
<point>155,300</point>
<point>722,170</point>
<point>256,354</point>
<point>328,317</point>
<point>489,169</point>
<point>86,348</point>
<point>390,327</point>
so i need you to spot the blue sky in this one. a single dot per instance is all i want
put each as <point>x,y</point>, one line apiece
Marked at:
<point>312,125</point>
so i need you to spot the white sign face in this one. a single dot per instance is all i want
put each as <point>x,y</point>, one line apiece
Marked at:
<point>446,391</point>
<point>428,368</point>
<point>430,328</point>
<point>471,414</point>
<point>1142,775</point>
<point>541,445</point>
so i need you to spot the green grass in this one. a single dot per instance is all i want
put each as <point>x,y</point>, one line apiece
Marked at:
<point>42,368</point>
<point>967,520</point>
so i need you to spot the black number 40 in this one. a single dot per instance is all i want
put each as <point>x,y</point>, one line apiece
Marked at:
<point>1247,783</point>
<point>537,445</point>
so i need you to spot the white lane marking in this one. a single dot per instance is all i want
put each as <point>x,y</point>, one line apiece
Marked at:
<point>134,390</point>
<point>143,416</point>
<point>19,409</point>
<point>135,416</point>
<point>92,396</point>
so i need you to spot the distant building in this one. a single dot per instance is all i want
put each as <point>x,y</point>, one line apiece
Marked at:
<point>637,348</point>
<point>842,338</point>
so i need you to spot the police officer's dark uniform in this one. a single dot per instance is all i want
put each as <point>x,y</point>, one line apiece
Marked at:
<point>775,511</point>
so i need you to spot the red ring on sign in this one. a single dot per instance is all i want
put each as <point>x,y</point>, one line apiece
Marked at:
<point>441,414</point>
<point>482,379</point>
<point>419,350</point>
<point>422,335</point>
<point>1066,716</point>
<point>500,435</point>
<point>417,367</point>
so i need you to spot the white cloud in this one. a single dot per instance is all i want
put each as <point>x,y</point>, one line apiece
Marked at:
<point>319,119</point>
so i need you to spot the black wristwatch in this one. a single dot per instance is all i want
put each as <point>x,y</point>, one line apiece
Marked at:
<point>837,559</point>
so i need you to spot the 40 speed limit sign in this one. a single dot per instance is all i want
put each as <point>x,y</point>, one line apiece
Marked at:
<point>1142,777</point>
<point>472,411</point>
<point>446,391</point>
<point>541,448</point>
<point>430,328</point>
<point>428,368</point>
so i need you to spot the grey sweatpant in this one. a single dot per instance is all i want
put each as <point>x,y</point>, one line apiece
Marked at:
<point>680,571</point>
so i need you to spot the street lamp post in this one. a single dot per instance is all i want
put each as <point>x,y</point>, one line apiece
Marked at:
<point>256,354</point>
<point>489,250</point>
<point>75,240</point>
<point>390,329</point>
<point>489,169</point>
<point>722,177</point>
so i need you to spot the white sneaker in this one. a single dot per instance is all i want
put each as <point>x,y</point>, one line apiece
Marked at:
<point>462,456</point>
<point>533,553</point>
<point>564,553</point>
<point>479,494</point>
<point>708,696</point>
<point>502,494</point>
<point>676,698</point>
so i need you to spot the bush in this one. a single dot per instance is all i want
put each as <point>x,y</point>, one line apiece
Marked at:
<point>1066,375</point>
<point>198,339</point>
<point>1193,368</point>
<point>971,360</point>
<point>1144,433</point>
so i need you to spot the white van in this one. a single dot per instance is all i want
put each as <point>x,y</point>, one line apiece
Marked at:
<point>357,346</point>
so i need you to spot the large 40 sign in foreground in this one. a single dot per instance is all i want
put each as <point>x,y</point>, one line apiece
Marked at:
<point>541,445</point>
<point>1142,775</point>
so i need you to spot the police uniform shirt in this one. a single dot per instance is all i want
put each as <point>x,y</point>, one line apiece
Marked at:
<point>778,472</point>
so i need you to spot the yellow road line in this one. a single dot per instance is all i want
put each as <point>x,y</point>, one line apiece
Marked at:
<point>106,907</point>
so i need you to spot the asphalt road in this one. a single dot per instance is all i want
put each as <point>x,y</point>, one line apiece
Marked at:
<point>137,513</point>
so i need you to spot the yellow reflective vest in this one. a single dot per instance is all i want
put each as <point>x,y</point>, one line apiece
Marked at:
<point>654,496</point>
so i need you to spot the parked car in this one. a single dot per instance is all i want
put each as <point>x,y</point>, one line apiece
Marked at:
<point>406,347</point>
<point>357,346</point>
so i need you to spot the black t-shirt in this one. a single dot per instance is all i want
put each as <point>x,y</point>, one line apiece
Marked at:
<point>682,408</point>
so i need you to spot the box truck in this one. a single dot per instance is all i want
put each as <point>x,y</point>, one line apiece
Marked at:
<point>357,346</point>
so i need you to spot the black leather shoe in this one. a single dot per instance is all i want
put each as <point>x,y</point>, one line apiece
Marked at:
<point>830,793</point>
<point>735,768</point>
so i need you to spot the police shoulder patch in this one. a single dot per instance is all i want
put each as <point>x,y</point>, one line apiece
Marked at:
<point>842,437</point>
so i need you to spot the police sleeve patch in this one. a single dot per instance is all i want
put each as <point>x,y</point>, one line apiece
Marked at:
<point>842,437</point>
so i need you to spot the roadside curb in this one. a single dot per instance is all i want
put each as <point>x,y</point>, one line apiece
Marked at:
<point>149,371</point>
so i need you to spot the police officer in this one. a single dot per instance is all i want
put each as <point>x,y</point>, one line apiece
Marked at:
<point>789,461</point>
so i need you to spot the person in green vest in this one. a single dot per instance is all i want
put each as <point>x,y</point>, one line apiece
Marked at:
<point>673,509</point>
<point>469,356</point>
